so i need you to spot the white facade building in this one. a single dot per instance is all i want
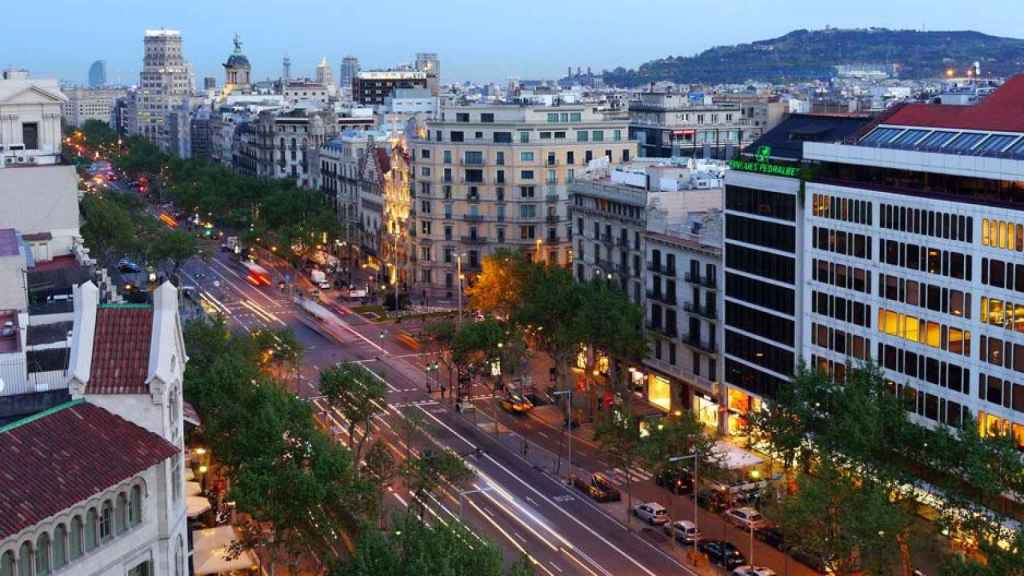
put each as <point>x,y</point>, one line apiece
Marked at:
<point>30,121</point>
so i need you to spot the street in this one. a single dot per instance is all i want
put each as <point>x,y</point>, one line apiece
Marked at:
<point>519,499</point>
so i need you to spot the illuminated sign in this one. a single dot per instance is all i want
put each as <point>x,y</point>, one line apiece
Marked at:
<point>761,165</point>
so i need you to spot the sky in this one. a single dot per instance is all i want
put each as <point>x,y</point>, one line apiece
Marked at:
<point>476,40</point>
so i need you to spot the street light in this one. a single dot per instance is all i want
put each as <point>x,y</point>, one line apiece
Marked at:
<point>696,525</point>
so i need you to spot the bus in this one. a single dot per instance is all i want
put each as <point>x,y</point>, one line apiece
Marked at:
<point>257,275</point>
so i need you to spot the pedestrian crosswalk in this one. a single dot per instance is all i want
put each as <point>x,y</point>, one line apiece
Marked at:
<point>416,403</point>
<point>636,474</point>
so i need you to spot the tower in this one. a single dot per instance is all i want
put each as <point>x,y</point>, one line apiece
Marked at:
<point>237,70</point>
<point>165,82</point>
<point>349,69</point>
<point>324,75</point>
<point>98,74</point>
<point>286,69</point>
<point>428,62</point>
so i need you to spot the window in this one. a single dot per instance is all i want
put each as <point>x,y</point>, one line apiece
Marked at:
<point>570,157</point>
<point>487,117</point>
<point>526,156</point>
<point>91,529</point>
<point>552,117</point>
<point>43,555</point>
<point>502,137</point>
<point>582,136</point>
<point>425,153</point>
<point>135,506</point>
<point>121,513</point>
<point>457,136</point>
<point>527,232</point>
<point>30,135</point>
<point>106,521</point>
<point>474,157</point>
<point>575,117</point>
<point>447,157</point>
<point>524,136</point>
<point>598,136</point>
<point>75,537</point>
<point>526,174</point>
<point>25,559</point>
<point>462,117</point>
<point>60,536</point>
<point>499,158</point>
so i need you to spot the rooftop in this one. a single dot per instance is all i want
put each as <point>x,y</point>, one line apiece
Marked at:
<point>62,456</point>
<point>120,353</point>
<point>787,139</point>
<point>1003,111</point>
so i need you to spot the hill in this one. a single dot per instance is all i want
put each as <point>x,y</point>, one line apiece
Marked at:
<point>812,54</point>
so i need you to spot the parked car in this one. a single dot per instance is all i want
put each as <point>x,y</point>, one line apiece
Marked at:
<point>683,531</point>
<point>651,512</point>
<point>772,536</point>
<point>675,480</point>
<point>746,518</point>
<point>515,403</point>
<point>712,500</point>
<point>600,488</point>
<point>752,571</point>
<point>8,328</point>
<point>126,266</point>
<point>722,553</point>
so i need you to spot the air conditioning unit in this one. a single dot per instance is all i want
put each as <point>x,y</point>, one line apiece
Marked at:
<point>20,160</point>
<point>32,159</point>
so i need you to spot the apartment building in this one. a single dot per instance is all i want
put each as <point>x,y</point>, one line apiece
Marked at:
<point>667,124</point>
<point>283,143</point>
<point>371,87</point>
<point>765,276</point>
<point>487,177</point>
<point>914,257</point>
<point>91,104</point>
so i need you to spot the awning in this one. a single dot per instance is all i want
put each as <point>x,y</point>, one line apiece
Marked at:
<point>735,458</point>
<point>210,550</point>
<point>193,489</point>
<point>190,415</point>
<point>196,505</point>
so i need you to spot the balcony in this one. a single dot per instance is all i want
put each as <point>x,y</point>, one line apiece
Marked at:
<point>704,311</point>
<point>551,197</point>
<point>657,268</point>
<point>669,331</point>
<point>473,217</point>
<point>696,343</point>
<point>552,218</point>
<point>607,239</point>
<point>705,281</point>
<point>474,239</point>
<point>668,298</point>
<point>623,241</point>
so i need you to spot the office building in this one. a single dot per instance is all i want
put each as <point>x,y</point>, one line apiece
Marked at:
<point>164,84</point>
<point>765,276</point>
<point>496,176</point>
<point>349,69</point>
<point>914,257</point>
<point>98,74</point>
<point>430,64</point>
<point>91,104</point>
<point>373,86</point>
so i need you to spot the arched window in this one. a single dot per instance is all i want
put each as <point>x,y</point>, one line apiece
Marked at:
<point>121,513</point>
<point>7,564</point>
<point>43,555</point>
<point>60,547</point>
<point>25,559</point>
<point>91,526</point>
<point>106,521</point>
<point>75,538</point>
<point>135,506</point>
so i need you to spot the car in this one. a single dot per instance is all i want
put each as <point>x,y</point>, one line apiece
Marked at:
<point>746,518</point>
<point>126,266</point>
<point>747,570</point>
<point>722,553</point>
<point>683,531</point>
<point>324,285</point>
<point>599,488</point>
<point>7,329</point>
<point>712,500</point>
<point>676,480</point>
<point>770,535</point>
<point>515,403</point>
<point>652,513</point>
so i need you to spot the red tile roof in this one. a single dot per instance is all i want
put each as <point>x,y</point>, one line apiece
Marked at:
<point>57,458</point>
<point>120,349</point>
<point>1002,111</point>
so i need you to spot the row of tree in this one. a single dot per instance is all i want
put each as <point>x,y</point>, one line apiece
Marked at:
<point>858,464</point>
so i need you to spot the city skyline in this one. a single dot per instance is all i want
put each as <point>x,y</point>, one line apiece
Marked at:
<point>480,49</point>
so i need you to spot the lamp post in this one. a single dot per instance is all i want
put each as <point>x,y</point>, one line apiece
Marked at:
<point>696,525</point>
<point>568,423</point>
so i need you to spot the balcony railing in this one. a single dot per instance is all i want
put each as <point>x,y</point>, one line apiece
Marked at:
<point>473,217</point>
<point>706,281</point>
<point>666,330</point>
<point>694,342</point>
<point>663,297</point>
<point>551,197</point>
<point>658,268</point>
<point>706,311</point>
<point>552,218</point>
<point>475,239</point>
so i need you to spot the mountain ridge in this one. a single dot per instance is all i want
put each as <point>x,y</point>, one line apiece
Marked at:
<point>813,54</point>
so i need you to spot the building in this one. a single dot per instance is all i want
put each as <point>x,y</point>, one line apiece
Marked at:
<point>283,143</point>
<point>349,69</point>
<point>200,133</point>
<point>164,84</point>
<point>30,121</point>
<point>91,104</point>
<point>209,83</point>
<point>682,313</point>
<point>765,276</point>
<point>373,86</point>
<point>296,91</point>
<point>406,102</point>
<point>915,227</point>
<point>497,176</point>
<point>98,74</point>
<point>667,124</point>
<point>430,64</point>
<point>237,71</point>
<point>124,426</point>
<point>324,76</point>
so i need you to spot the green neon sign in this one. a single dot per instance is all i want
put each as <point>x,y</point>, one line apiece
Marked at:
<point>762,166</point>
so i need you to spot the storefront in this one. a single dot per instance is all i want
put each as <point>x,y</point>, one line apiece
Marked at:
<point>739,405</point>
<point>706,408</point>
<point>659,391</point>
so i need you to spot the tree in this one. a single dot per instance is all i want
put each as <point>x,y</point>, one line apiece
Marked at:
<point>442,334</point>
<point>780,426</point>
<point>98,133</point>
<point>379,468</point>
<point>174,247</point>
<point>619,438</point>
<point>498,287</point>
<point>675,436</point>
<point>425,472</point>
<point>108,228</point>
<point>358,395</point>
